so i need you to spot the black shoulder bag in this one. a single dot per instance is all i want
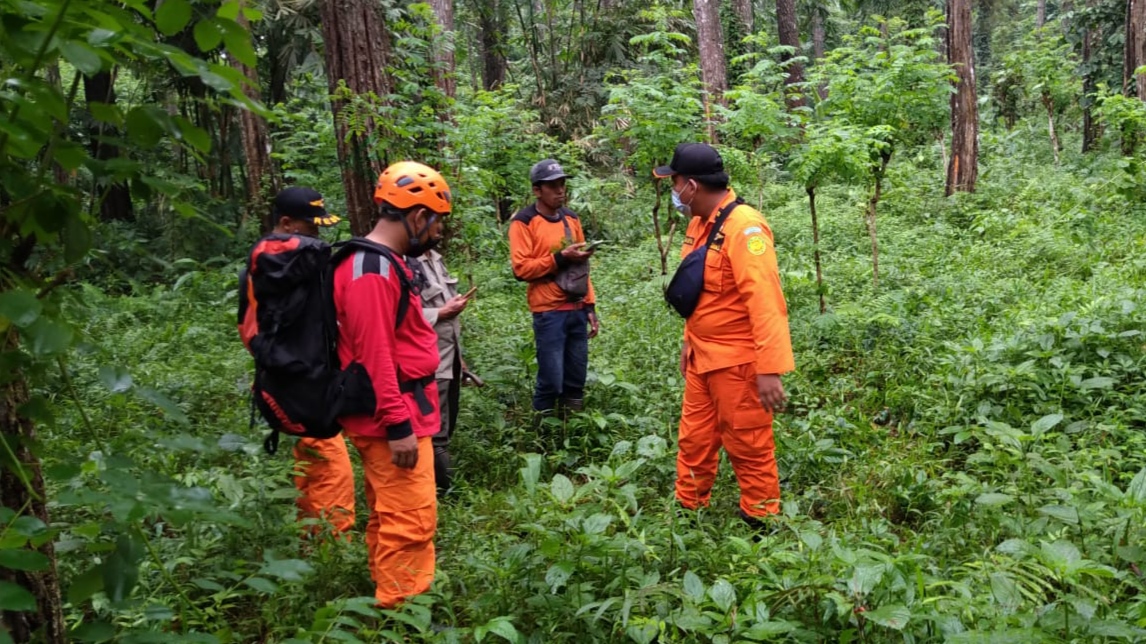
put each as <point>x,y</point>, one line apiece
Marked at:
<point>687,283</point>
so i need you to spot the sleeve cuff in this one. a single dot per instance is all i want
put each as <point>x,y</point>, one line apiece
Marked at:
<point>399,431</point>
<point>560,260</point>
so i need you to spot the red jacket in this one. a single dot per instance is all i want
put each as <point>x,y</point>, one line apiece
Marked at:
<point>366,292</point>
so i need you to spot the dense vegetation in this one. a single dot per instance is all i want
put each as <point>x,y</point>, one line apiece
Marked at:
<point>964,454</point>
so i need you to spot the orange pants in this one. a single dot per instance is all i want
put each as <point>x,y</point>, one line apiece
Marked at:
<point>403,519</point>
<point>325,481</point>
<point>721,408</point>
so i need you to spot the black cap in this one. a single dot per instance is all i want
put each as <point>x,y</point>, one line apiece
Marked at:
<point>546,170</point>
<point>297,202</point>
<point>698,160</point>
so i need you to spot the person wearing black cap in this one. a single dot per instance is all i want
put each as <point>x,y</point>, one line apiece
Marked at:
<point>736,340</point>
<point>547,250</point>
<point>325,479</point>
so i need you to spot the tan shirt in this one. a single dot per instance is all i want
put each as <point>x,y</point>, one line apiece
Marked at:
<point>440,288</point>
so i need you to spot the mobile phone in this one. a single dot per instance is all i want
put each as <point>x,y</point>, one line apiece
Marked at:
<point>594,245</point>
<point>470,293</point>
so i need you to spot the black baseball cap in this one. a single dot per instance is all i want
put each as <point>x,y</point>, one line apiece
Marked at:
<point>546,170</point>
<point>306,204</point>
<point>700,161</point>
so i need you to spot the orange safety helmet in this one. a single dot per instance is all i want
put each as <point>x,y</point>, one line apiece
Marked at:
<point>407,184</point>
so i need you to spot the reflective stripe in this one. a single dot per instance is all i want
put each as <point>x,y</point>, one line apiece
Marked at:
<point>359,257</point>
<point>366,262</point>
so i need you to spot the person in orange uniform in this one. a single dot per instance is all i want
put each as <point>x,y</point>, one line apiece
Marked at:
<point>545,238</point>
<point>400,357</point>
<point>325,478</point>
<point>736,342</point>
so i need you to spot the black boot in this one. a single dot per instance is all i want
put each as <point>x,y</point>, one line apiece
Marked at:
<point>443,470</point>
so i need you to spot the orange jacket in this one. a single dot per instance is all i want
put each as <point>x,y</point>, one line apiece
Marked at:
<point>535,244</point>
<point>741,316</point>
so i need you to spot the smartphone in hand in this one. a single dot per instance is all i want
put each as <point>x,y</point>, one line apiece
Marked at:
<point>594,245</point>
<point>470,293</point>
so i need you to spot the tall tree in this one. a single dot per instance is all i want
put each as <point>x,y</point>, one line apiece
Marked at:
<point>963,168</point>
<point>444,46</point>
<point>356,52</point>
<point>1041,14</point>
<point>743,11</point>
<point>491,26</point>
<point>256,145</point>
<point>788,28</point>
<point>1135,49</point>
<point>710,42</point>
<point>112,199</point>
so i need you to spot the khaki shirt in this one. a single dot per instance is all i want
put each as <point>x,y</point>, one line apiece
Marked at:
<point>439,287</point>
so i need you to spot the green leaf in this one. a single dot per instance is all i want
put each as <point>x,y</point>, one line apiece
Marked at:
<point>262,585</point>
<point>207,35</point>
<point>163,402</point>
<point>49,337</point>
<point>1064,513</point>
<point>287,569</point>
<point>146,125</point>
<point>894,616</point>
<point>20,307</point>
<point>121,568</point>
<point>15,598</point>
<point>94,632</point>
<point>194,135</point>
<point>723,594</point>
<point>105,112</point>
<point>228,10</point>
<point>77,239</point>
<point>85,585</point>
<point>557,575</point>
<point>693,587</point>
<point>561,488</point>
<point>1136,491</point>
<point>238,42</point>
<point>1096,383</point>
<point>116,378</point>
<point>1006,592</point>
<point>172,16</point>
<point>1045,424</point>
<point>597,523</point>
<point>21,559</point>
<point>82,56</point>
<point>864,578</point>
<point>993,499</point>
<point>503,628</point>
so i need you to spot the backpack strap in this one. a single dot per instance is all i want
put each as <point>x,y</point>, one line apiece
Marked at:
<point>348,248</point>
<point>720,219</point>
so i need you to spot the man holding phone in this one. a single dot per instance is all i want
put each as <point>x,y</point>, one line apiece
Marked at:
<point>548,251</point>
<point>441,306</point>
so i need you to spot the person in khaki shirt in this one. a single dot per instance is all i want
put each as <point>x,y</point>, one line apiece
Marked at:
<point>441,305</point>
<point>736,341</point>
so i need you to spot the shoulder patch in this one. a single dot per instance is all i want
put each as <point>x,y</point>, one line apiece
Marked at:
<point>751,230</point>
<point>757,244</point>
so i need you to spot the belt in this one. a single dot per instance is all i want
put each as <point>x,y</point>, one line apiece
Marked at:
<point>417,387</point>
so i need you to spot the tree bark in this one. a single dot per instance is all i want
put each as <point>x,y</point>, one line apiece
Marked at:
<point>1089,86</point>
<point>963,170</point>
<point>1048,103</point>
<point>356,51</point>
<point>259,170</point>
<point>789,31</point>
<point>819,40</point>
<point>444,46</point>
<point>743,11</point>
<point>111,199</point>
<point>491,16</point>
<point>872,204</point>
<point>816,248</point>
<point>1135,49</point>
<point>1041,14</point>
<point>22,490</point>
<point>710,42</point>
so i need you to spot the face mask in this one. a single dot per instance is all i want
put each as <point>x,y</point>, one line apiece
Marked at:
<point>417,246</point>
<point>683,208</point>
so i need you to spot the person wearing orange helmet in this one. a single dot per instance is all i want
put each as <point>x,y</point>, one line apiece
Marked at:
<point>325,478</point>
<point>399,354</point>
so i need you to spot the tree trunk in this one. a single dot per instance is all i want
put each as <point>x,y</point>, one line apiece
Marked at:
<point>1135,49</point>
<point>444,46</point>
<point>112,200</point>
<point>1041,14</point>
<point>1089,86</point>
<point>22,490</point>
<point>788,28</point>
<point>819,38</point>
<point>743,11</point>
<point>963,170</point>
<point>356,47</point>
<point>710,42</point>
<point>816,248</point>
<point>1048,103</point>
<point>491,16</point>
<point>872,203</point>
<point>259,171</point>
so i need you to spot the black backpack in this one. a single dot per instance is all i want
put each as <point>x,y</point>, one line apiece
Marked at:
<point>299,387</point>
<point>683,291</point>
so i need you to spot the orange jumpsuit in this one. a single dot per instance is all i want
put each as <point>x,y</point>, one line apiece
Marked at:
<point>738,331</point>
<point>323,474</point>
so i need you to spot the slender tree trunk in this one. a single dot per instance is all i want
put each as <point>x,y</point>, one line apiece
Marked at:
<point>1048,103</point>
<point>816,248</point>
<point>357,48</point>
<point>710,42</point>
<point>1089,87</point>
<point>22,490</point>
<point>491,18</point>
<point>872,203</point>
<point>819,39</point>
<point>1135,48</point>
<point>444,46</point>
<point>258,169</point>
<point>963,171</point>
<point>788,28</point>
<point>111,199</point>
<point>743,11</point>
<point>1041,14</point>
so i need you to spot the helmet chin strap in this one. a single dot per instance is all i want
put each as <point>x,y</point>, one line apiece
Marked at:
<point>417,248</point>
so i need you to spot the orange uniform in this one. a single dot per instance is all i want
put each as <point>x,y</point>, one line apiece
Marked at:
<point>535,244</point>
<point>738,331</point>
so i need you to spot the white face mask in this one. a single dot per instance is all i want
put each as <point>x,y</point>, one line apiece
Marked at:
<point>683,208</point>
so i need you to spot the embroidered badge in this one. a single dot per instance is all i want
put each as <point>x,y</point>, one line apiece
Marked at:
<point>757,245</point>
<point>754,230</point>
<point>689,241</point>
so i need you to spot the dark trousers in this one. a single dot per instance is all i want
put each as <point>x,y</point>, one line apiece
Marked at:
<point>449,393</point>
<point>562,339</point>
